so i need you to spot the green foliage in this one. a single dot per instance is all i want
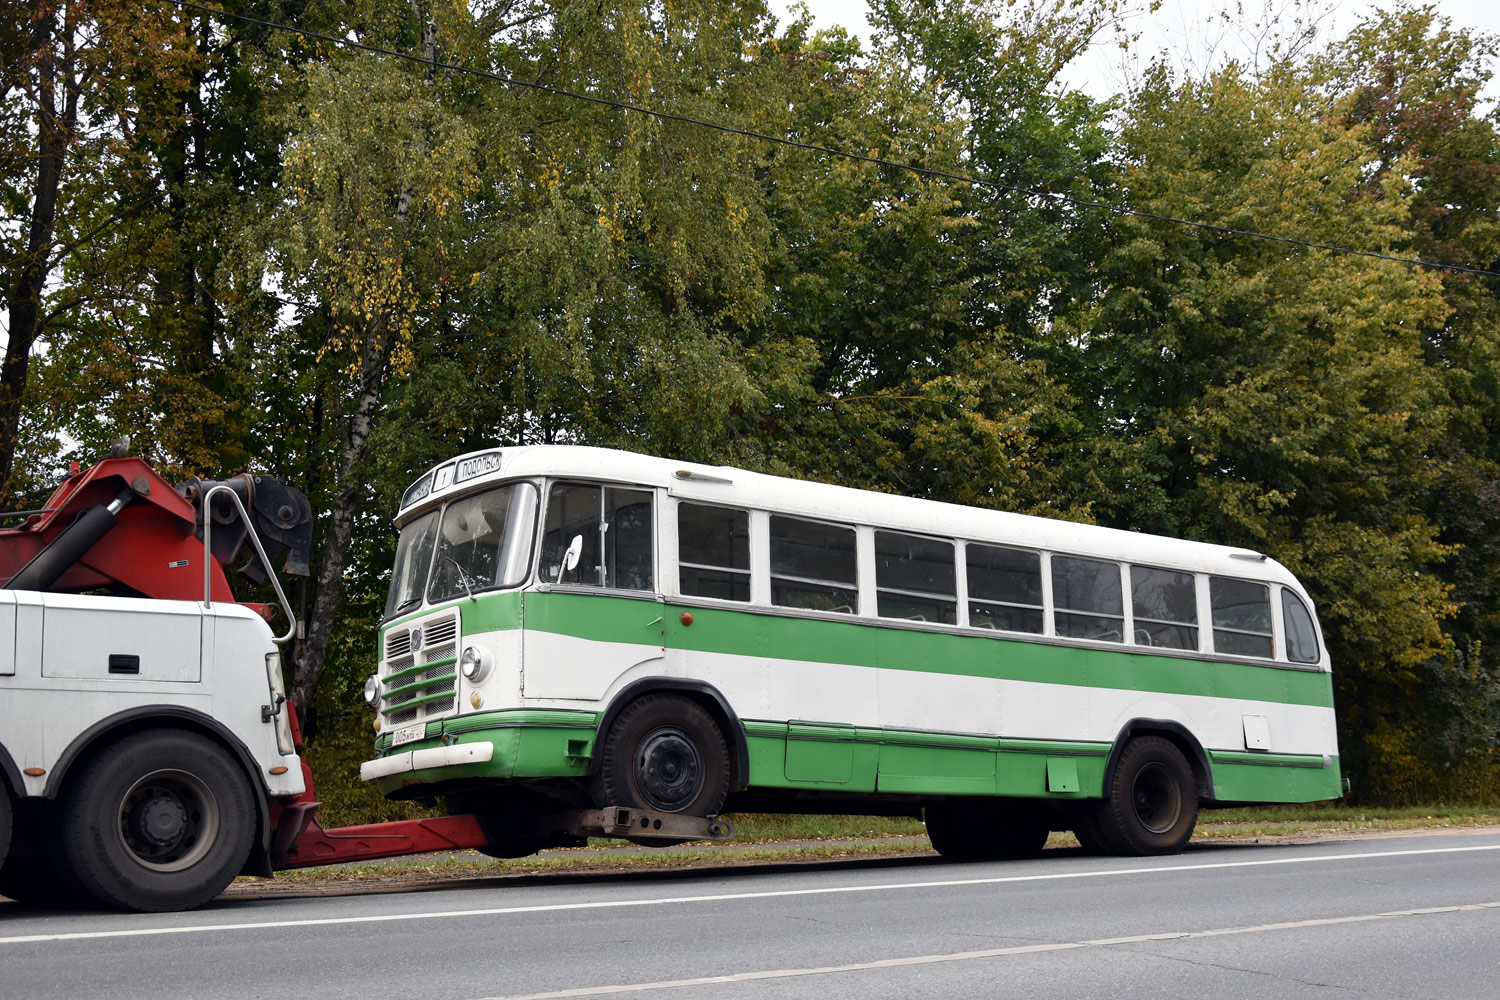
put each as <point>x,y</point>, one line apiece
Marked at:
<point>340,268</point>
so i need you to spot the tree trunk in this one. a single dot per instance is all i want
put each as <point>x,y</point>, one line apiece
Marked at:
<point>54,133</point>
<point>330,581</point>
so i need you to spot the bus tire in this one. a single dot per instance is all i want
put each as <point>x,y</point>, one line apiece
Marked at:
<point>1151,805</point>
<point>1086,828</point>
<point>163,821</point>
<point>664,753</point>
<point>981,832</point>
<point>7,821</point>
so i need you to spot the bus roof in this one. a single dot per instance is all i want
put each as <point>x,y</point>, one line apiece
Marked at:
<point>781,495</point>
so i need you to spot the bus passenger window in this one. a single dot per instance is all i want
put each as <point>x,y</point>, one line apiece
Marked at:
<point>1166,608</point>
<point>713,552</point>
<point>813,566</point>
<point>1301,637</point>
<point>914,578</point>
<point>572,509</point>
<point>1005,588</point>
<point>615,527</point>
<point>628,550</point>
<point>1242,617</point>
<point>1087,600</point>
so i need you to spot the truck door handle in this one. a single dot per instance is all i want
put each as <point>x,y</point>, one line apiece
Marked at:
<point>124,663</point>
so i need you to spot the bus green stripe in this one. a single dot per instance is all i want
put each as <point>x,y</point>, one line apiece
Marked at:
<point>611,619</point>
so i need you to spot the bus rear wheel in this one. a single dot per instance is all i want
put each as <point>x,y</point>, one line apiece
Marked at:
<point>164,821</point>
<point>1152,801</point>
<point>664,753</point>
<point>983,831</point>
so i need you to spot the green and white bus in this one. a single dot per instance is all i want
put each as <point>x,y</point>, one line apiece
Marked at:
<point>574,628</point>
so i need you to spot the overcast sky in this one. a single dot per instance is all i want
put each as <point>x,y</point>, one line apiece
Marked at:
<point>1183,28</point>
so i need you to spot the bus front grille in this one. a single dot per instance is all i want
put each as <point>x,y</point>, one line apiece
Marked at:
<point>409,693</point>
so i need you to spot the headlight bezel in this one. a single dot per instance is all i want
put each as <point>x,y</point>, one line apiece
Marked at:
<point>372,690</point>
<point>473,664</point>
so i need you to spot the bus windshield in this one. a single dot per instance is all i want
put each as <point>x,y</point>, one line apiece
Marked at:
<point>478,542</point>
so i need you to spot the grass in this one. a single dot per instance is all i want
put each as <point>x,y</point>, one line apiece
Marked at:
<point>768,838</point>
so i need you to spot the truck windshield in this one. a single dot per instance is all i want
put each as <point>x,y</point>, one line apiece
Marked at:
<point>478,542</point>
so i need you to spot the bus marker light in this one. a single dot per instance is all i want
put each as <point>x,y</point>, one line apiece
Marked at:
<point>35,772</point>
<point>475,700</point>
<point>687,618</point>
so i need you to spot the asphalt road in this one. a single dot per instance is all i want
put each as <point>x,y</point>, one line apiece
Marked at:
<point>1415,917</point>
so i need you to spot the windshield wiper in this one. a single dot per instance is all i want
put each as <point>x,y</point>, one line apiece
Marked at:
<point>463,576</point>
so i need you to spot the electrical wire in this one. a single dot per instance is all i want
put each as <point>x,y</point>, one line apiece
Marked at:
<point>1052,196</point>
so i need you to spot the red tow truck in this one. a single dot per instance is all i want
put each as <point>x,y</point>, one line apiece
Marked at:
<point>148,753</point>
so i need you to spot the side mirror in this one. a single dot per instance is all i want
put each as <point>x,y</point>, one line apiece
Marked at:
<point>570,557</point>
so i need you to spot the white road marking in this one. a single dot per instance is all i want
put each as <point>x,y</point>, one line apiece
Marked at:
<point>969,956</point>
<point>717,897</point>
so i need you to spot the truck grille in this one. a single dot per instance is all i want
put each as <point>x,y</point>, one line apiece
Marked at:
<point>419,678</point>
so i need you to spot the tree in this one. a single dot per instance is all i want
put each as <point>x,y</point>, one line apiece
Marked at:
<point>1275,397</point>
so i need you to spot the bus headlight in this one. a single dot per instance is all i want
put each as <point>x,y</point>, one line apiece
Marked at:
<point>473,664</point>
<point>372,690</point>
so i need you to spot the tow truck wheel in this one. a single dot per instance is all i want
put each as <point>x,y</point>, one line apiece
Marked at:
<point>163,821</point>
<point>667,754</point>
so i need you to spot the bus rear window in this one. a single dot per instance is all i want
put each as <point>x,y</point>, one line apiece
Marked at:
<point>813,566</point>
<point>1301,636</point>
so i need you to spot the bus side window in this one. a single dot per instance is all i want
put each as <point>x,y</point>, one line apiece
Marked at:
<point>572,509</point>
<point>1242,617</point>
<point>713,552</point>
<point>1166,608</point>
<point>1086,599</point>
<point>813,565</point>
<point>628,547</point>
<point>1301,637</point>
<point>1005,588</point>
<point>914,578</point>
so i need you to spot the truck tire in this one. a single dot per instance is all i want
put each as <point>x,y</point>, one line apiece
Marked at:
<point>162,821</point>
<point>1151,804</point>
<point>32,873</point>
<point>664,753</point>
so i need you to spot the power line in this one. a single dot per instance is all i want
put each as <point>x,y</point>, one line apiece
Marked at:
<point>1052,196</point>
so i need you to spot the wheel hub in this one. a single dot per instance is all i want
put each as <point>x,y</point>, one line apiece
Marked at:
<point>1157,799</point>
<point>168,820</point>
<point>669,773</point>
<point>159,820</point>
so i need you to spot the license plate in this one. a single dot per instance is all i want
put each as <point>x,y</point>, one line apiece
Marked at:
<point>409,735</point>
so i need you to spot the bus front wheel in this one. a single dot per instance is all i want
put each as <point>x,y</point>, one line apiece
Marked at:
<point>1152,801</point>
<point>664,753</point>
